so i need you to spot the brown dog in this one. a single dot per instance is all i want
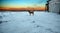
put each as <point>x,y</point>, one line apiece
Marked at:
<point>31,12</point>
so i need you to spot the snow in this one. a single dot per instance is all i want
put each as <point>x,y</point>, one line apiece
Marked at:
<point>22,22</point>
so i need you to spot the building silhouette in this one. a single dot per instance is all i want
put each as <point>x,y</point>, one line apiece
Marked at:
<point>53,6</point>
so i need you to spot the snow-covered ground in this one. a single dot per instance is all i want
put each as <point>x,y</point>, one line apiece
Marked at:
<point>22,22</point>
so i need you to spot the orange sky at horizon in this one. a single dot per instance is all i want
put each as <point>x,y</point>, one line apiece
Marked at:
<point>27,8</point>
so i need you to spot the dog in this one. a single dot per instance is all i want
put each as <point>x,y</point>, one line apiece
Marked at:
<point>31,12</point>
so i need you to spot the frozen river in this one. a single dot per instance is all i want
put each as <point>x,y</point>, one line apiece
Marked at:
<point>22,22</point>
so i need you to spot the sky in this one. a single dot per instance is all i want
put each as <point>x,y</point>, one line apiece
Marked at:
<point>22,3</point>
